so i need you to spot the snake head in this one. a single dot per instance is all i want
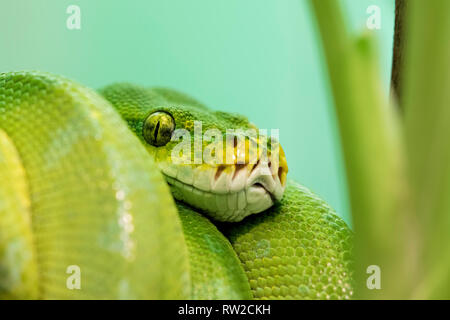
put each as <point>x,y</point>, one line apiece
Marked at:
<point>217,162</point>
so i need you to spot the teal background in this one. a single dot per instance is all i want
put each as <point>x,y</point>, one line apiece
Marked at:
<point>260,58</point>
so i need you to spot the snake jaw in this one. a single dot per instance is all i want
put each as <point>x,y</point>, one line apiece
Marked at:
<point>228,192</point>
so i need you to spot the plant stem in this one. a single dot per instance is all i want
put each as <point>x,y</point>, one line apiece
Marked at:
<point>372,153</point>
<point>397,58</point>
<point>426,97</point>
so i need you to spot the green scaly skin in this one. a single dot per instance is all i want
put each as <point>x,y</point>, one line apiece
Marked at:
<point>82,190</point>
<point>298,249</point>
<point>220,190</point>
<point>216,272</point>
<point>95,199</point>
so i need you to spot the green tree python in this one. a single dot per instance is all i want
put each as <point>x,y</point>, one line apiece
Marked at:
<point>87,179</point>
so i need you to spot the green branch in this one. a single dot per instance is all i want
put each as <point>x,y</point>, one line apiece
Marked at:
<point>398,52</point>
<point>372,153</point>
<point>426,90</point>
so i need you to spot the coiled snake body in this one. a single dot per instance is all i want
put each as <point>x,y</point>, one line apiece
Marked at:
<point>87,180</point>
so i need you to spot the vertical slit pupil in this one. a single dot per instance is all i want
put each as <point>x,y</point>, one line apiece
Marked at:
<point>155,133</point>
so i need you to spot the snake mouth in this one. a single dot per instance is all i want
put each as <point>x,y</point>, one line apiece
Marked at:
<point>228,192</point>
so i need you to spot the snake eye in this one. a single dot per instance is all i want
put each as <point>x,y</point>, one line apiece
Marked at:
<point>158,128</point>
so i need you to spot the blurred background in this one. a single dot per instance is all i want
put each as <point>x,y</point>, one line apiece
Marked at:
<point>257,58</point>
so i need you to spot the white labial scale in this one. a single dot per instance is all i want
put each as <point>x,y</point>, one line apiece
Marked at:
<point>232,201</point>
<point>168,169</point>
<point>222,183</point>
<point>239,215</point>
<point>210,201</point>
<point>221,202</point>
<point>182,191</point>
<point>257,199</point>
<point>187,192</point>
<point>241,200</point>
<point>185,174</point>
<point>197,196</point>
<point>239,180</point>
<point>203,177</point>
<point>262,205</point>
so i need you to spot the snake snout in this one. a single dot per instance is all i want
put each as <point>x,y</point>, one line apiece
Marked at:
<point>230,192</point>
<point>265,185</point>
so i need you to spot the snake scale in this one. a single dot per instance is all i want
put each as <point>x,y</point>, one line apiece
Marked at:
<point>87,180</point>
